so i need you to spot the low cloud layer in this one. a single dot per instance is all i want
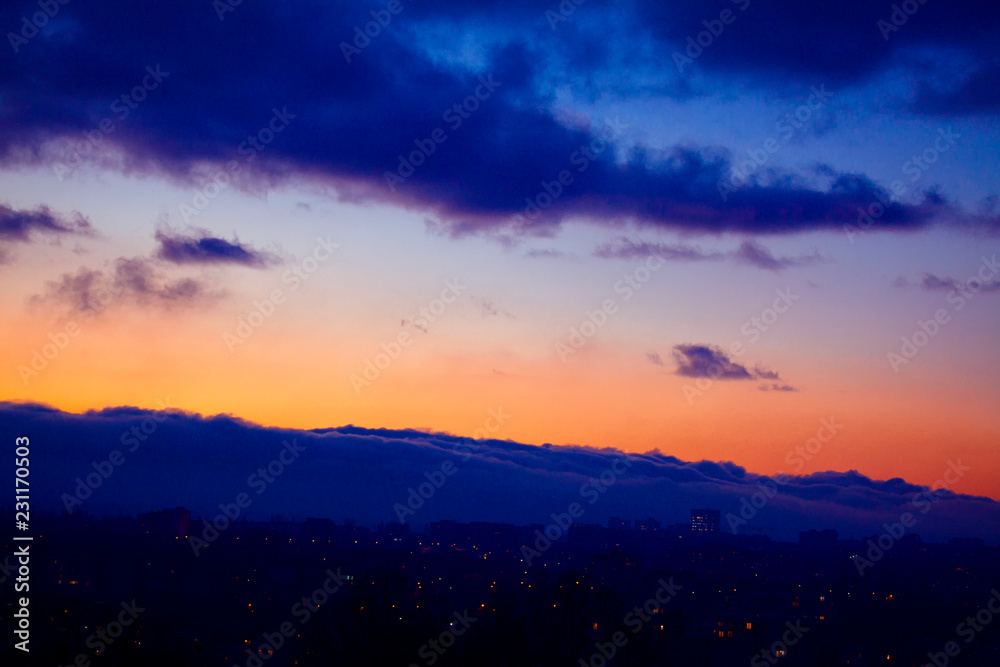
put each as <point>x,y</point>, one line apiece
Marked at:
<point>175,458</point>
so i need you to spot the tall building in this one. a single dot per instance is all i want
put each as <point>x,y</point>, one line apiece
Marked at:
<point>819,539</point>
<point>649,524</point>
<point>173,523</point>
<point>704,521</point>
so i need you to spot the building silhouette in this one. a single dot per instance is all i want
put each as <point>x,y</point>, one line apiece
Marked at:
<point>704,521</point>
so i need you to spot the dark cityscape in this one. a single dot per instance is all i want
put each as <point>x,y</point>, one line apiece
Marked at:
<point>315,592</point>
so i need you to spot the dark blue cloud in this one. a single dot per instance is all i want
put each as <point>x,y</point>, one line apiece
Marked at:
<point>20,224</point>
<point>348,123</point>
<point>205,249</point>
<point>968,93</point>
<point>174,458</point>
<point>847,43</point>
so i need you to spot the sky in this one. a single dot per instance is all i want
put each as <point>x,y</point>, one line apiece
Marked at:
<point>700,229</point>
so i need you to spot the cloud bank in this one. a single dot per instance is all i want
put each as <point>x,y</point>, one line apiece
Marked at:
<point>174,458</point>
<point>496,135</point>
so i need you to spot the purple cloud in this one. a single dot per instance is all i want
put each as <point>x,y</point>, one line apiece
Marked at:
<point>202,248</point>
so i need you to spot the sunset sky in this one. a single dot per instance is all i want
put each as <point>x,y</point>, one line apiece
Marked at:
<point>694,206</point>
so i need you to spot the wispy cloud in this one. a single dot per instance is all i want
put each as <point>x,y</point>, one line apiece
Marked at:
<point>749,252</point>
<point>545,252</point>
<point>22,226</point>
<point>754,254</point>
<point>932,282</point>
<point>624,247</point>
<point>132,280</point>
<point>489,308</point>
<point>777,387</point>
